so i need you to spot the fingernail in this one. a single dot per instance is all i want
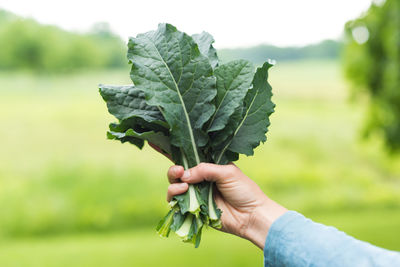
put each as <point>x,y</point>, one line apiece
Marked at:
<point>182,185</point>
<point>186,175</point>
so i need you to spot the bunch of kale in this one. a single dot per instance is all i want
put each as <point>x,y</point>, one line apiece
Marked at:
<point>194,109</point>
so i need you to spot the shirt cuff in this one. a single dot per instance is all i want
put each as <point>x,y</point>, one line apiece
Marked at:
<point>273,248</point>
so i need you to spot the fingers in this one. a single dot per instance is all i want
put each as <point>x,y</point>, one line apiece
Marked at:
<point>180,178</point>
<point>175,173</point>
<point>209,172</point>
<point>176,189</point>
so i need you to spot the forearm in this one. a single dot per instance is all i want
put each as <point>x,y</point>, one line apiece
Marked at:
<point>294,240</point>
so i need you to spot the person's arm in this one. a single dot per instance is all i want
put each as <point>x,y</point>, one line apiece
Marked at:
<point>287,237</point>
<point>294,240</point>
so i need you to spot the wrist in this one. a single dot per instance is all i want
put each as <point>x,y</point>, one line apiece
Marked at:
<point>261,220</point>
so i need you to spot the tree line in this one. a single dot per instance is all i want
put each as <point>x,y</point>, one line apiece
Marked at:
<point>328,49</point>
<point>28,45</point>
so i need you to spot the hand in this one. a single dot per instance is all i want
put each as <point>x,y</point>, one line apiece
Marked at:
<point>246,211</point>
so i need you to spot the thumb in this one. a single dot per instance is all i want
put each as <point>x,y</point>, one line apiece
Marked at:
<point>208,172</point>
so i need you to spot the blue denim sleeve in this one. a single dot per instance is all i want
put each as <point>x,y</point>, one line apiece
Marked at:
<point>294,240</point>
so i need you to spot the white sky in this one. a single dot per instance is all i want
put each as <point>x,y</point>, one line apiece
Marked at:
<point>232,23</point>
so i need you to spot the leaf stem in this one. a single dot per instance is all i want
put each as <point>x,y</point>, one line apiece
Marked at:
<point>211,209</point>
<point>194,205</point>
<point>183,231</point>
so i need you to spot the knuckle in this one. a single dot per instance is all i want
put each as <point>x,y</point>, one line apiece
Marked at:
<point>170,189</point>
<point>230,170</point>
<point>202,167</point>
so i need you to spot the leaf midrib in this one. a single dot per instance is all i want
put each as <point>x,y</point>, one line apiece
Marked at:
<point>238,128</point>
<point>182,103</point>
<point>223,98</point>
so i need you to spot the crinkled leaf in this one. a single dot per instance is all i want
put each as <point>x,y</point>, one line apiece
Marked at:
<point>254,121</point>
<point>233,81</point>
<point>138,125</point>
<point>169,68</point>
<point>220,138</point>
<point>125,101</point>
<point>205,40</point>
<point>121,137</point>
<point>156,138</point>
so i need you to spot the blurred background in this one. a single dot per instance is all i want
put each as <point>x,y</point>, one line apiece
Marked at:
<point>69,197</point>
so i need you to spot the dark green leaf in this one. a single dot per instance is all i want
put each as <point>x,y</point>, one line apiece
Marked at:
<point>168,66</point>
<point>125,101</point>
<point>179,218</point>
<point>164,226</point>
<point>205,40</point>
<point>254,123</point>
<point>233,82</point>
<point>183,201</point>
<point>156,138</point>
<point>115,133</point>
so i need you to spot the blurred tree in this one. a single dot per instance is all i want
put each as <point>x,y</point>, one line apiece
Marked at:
<point>114,48</point>
<point>328,49</point>
<point>6,16</point>
<point>26,44</point>
<point>372,63</point>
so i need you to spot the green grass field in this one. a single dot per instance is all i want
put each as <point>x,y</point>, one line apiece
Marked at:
<point>69,197</point>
